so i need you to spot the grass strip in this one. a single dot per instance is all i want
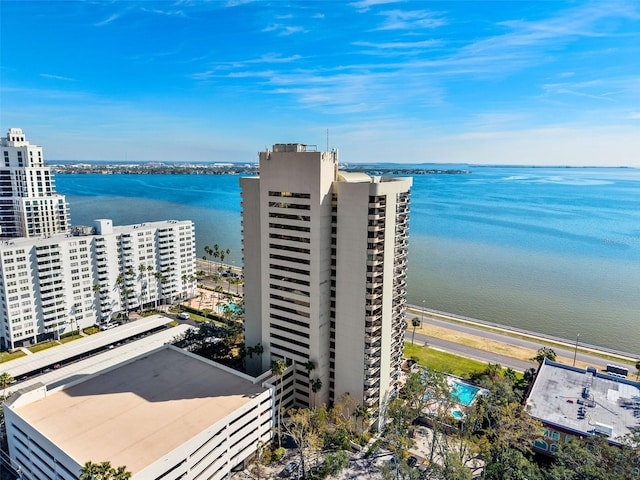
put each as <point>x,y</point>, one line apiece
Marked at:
<point>8,356</point>
<point>443,361</point>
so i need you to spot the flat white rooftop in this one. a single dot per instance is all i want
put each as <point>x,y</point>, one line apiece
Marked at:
<point>140,411</point>
<point>46,358</point>
<point>610,405</point>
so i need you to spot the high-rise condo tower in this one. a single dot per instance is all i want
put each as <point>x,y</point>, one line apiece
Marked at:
<point>29,205</point>
<point>325,257</point>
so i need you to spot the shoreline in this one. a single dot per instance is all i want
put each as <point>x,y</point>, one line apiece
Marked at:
<point>628,357</point>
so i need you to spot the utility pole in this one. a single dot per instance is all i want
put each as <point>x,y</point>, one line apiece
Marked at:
<point>575,352</point>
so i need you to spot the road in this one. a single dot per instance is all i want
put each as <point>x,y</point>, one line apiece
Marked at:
<point>470,352</point>
<point>533,342</point>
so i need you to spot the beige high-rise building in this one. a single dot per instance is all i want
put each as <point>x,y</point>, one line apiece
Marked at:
<point>29,204</point>
<point>325,256</point>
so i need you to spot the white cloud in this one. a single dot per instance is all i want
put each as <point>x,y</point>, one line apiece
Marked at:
<point>410,20</point>
<point>400,45</point>
<point>57,77</point>
<point>364,5</point>
<point>283,30</point>
<point>108,20</point>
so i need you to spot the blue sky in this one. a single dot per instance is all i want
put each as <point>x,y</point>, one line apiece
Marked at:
<point>505,82</point>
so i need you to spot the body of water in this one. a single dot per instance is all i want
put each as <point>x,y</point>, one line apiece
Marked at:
<point>553,250</point>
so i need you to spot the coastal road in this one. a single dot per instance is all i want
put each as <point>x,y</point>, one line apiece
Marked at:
<point>470,352</point>
<point>528,340</point>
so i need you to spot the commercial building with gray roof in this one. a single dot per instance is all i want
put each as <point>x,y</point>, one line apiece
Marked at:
<point>573,402</point>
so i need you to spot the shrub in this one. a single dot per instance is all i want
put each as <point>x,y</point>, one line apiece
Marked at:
<point>277,455</point>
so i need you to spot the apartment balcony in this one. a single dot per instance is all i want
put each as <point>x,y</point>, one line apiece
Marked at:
<point>372,382</point>
<point>371,395</point>
<point>372,364</point>
<point>373,329</point>
<point>373,295</point>
<point>374,262</point>
<point>376,229</point>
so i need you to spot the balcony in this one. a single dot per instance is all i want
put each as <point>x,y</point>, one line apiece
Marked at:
<point>372,382</point>
<point>373,365</point>
<point>373,327</point>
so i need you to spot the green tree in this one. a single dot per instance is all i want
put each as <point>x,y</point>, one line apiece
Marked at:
<point>316,386</point>
<point>595,459</point>
<point>309,367</point>
<point>278,368</point>
<point>103,471</point>
<point>334,463</point>
<point>304,428</point>
<point>257,350</point>
<point>415,322</point>
<point>637,370</point>
<point>544,352</point>
<point>208,252</point>
<point>215,252</point>
<point>5,381</point>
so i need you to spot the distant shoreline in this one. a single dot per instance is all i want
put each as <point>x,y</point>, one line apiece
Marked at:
<point>224,169</point>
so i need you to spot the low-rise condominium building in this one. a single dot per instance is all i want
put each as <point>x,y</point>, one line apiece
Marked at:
<point>53,284</point>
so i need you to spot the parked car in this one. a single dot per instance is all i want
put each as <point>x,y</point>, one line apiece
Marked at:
<point>290,469</point>
<point>108,326</point>
<point>184,316</point>
<point>412,461</point>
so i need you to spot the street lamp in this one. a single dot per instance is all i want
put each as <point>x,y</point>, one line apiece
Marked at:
<point>575,352</point>
<point>422,317</point>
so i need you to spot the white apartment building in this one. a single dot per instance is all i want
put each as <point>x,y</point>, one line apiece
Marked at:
<point>54,284</point>
<point>29,205</point>
<point>325,257</point>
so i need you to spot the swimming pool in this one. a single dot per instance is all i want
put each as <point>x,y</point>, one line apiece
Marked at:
<point>457,414</point>
<point>462,393</point>
<point>232,307</point>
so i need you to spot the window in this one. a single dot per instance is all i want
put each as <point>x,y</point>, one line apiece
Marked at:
<point>555,436</point>
<point>541,444</point>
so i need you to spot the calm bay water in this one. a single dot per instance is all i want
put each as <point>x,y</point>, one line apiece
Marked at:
<point>553,250</point>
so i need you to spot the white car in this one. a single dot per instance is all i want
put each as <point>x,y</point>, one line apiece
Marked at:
<point>184,316</point>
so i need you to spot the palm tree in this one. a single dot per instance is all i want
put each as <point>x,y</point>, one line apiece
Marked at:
<point>96,292</point>
<point>216,252</point>
<point>209,253</point>
<point>309,367</point>
<point>103,471</point>
<point>278,368</point>
<point>637,369</point>
<point>416,323</point>
<point>159,276</point>
<point>544,353</point>
<point>90,471</point>
<point>316,385</point>
<point>5,381</point>
<point>223,254</point>
<point>142,270</point>
<point>120,281</point>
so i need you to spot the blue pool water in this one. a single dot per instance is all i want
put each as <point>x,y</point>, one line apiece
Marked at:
<point>233,307</point>
<point>457,414</point>
<point>463,394</point>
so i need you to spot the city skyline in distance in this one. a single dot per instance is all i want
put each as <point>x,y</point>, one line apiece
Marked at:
<point>532,83</point>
